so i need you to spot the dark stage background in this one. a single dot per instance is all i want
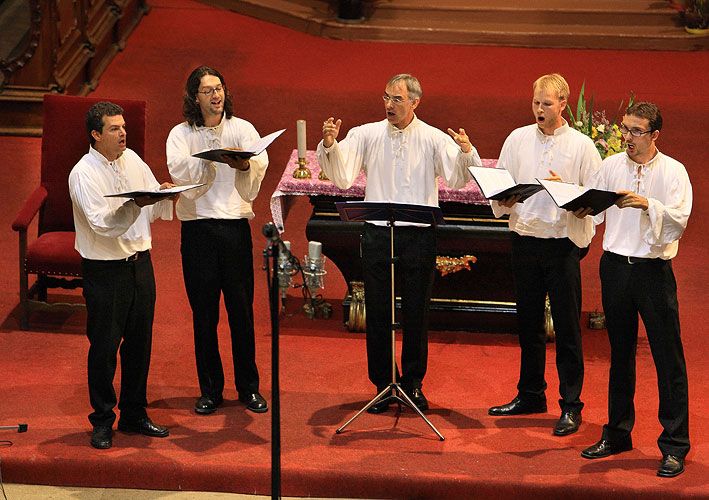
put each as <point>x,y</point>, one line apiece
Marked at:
<point>278,76</point>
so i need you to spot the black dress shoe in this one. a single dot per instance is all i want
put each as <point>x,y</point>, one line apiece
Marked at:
<point>380,406</point>
<point>254,402</point>
<point>143,426</point>
<point>418,398</point>
<point>568,423</point>
<point>208,404</point>
<point>671,466</point>
<point>518,407</point>
<point>101,437</point>
<point>605,448</point>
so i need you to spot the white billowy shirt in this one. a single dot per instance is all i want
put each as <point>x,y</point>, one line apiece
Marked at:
<point>112,228</point>
<point>228,192</point>
<point>655,232</point>
<point>529,154</point>
<point>401,164</point>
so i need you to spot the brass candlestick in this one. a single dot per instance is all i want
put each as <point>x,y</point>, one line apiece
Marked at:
<point>322,176</point>
<point>302,172</point>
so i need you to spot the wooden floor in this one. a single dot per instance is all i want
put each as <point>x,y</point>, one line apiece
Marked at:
<point>601,24</point>
<point>34,492</point>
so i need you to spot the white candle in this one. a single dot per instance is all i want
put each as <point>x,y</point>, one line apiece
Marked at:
<point>301,138</point>
<point>314,250</point>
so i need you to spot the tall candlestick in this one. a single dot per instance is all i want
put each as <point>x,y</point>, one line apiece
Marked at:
<point>301,138</point>
<point>314,250</point>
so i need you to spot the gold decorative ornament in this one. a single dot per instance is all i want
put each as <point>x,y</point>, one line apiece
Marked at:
<point>448,265</point>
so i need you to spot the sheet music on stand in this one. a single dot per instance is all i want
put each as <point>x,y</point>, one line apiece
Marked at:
<point>353,211</point>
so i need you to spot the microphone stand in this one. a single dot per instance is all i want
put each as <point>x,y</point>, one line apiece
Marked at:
<point>274,245</point>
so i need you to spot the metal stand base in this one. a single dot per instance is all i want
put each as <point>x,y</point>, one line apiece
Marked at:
<point>396,392</point>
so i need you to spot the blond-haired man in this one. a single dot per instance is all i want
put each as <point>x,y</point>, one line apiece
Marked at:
<point>545,251</point>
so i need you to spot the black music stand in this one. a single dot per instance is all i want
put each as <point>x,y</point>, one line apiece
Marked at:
<point>355,211</point>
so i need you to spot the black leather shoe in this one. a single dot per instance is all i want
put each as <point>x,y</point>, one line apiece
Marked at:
<point>518,407</point>
<point>605,448</point>
<point>418,398</point>
<point>208,404</point>
<point>144,426</point>
<point>254,402</point>
<point>380,406</point>
<point>671,466</point>
<point>568,423</point>
<point>101,437</point>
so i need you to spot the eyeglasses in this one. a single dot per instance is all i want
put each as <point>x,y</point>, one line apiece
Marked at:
<point>209,92</point>
<point>634,132</point>
<point>396,99</point>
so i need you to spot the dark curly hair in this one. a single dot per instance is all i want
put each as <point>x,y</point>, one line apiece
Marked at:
<point>648,111</point>
<point>190,107</point>
<point>95,114</point>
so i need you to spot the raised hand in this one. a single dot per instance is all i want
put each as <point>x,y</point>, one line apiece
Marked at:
<point>461,139</point>
<point>330,129</point>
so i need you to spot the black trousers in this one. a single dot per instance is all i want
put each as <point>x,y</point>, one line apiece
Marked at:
<point>217,258</point>
<point>120,304</point>
<point>548,266</point>
<point>415,248</point>
<point>648,289</point>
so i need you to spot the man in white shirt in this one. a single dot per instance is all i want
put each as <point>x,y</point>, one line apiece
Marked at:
<point>545,252</point>
<point>113,238</point>
<point>641,237</point>
<point>217,255</point>
<point>402,157</point>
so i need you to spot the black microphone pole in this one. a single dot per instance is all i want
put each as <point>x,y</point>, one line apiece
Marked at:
<point>270,231</point>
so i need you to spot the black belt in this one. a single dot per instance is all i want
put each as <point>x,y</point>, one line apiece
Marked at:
<point>130,258</point>
<point>625,259</point>
<point>135,256</point>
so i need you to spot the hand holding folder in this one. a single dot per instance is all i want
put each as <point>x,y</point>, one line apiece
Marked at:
<point>254,149</point>
<point>570,196</point>
<point>498,184</point>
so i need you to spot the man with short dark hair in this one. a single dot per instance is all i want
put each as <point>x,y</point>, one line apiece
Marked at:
<point>113,238</point>
<point>641,239</point>
<point>402,156</point>
<point>217,254</point>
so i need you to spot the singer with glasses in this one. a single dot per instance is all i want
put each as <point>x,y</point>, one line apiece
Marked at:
<point>641,238</point>
<point>216,244</point>
<point>402,156</point>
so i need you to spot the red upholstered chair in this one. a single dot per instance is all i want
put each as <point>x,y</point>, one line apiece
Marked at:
<point>51,256</point>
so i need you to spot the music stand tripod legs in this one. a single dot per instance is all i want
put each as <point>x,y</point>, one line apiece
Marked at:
<point>393,390</point>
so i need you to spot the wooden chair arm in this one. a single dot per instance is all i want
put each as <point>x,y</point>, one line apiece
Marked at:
<point>30,209</point>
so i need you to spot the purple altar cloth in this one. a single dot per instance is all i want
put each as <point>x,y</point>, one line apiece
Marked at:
<point>289,187</point>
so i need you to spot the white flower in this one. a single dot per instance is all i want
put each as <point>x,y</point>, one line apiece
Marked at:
<point>601,128</point>
<point>579,123</point>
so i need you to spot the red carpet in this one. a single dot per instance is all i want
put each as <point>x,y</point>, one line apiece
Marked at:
<point>279,76</point>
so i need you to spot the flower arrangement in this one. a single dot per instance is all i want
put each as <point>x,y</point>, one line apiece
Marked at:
<point>605,134</point>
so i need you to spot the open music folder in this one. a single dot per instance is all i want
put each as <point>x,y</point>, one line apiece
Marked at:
<point>498,184</point>
<point>156,193</point>
<point>254,149</point>
<point>570,196</point>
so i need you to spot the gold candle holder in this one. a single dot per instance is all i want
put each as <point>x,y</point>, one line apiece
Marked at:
<point>302,172</point>
<point>322,176</point>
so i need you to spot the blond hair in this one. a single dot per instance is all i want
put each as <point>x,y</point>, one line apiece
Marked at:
<point>553,82</point>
